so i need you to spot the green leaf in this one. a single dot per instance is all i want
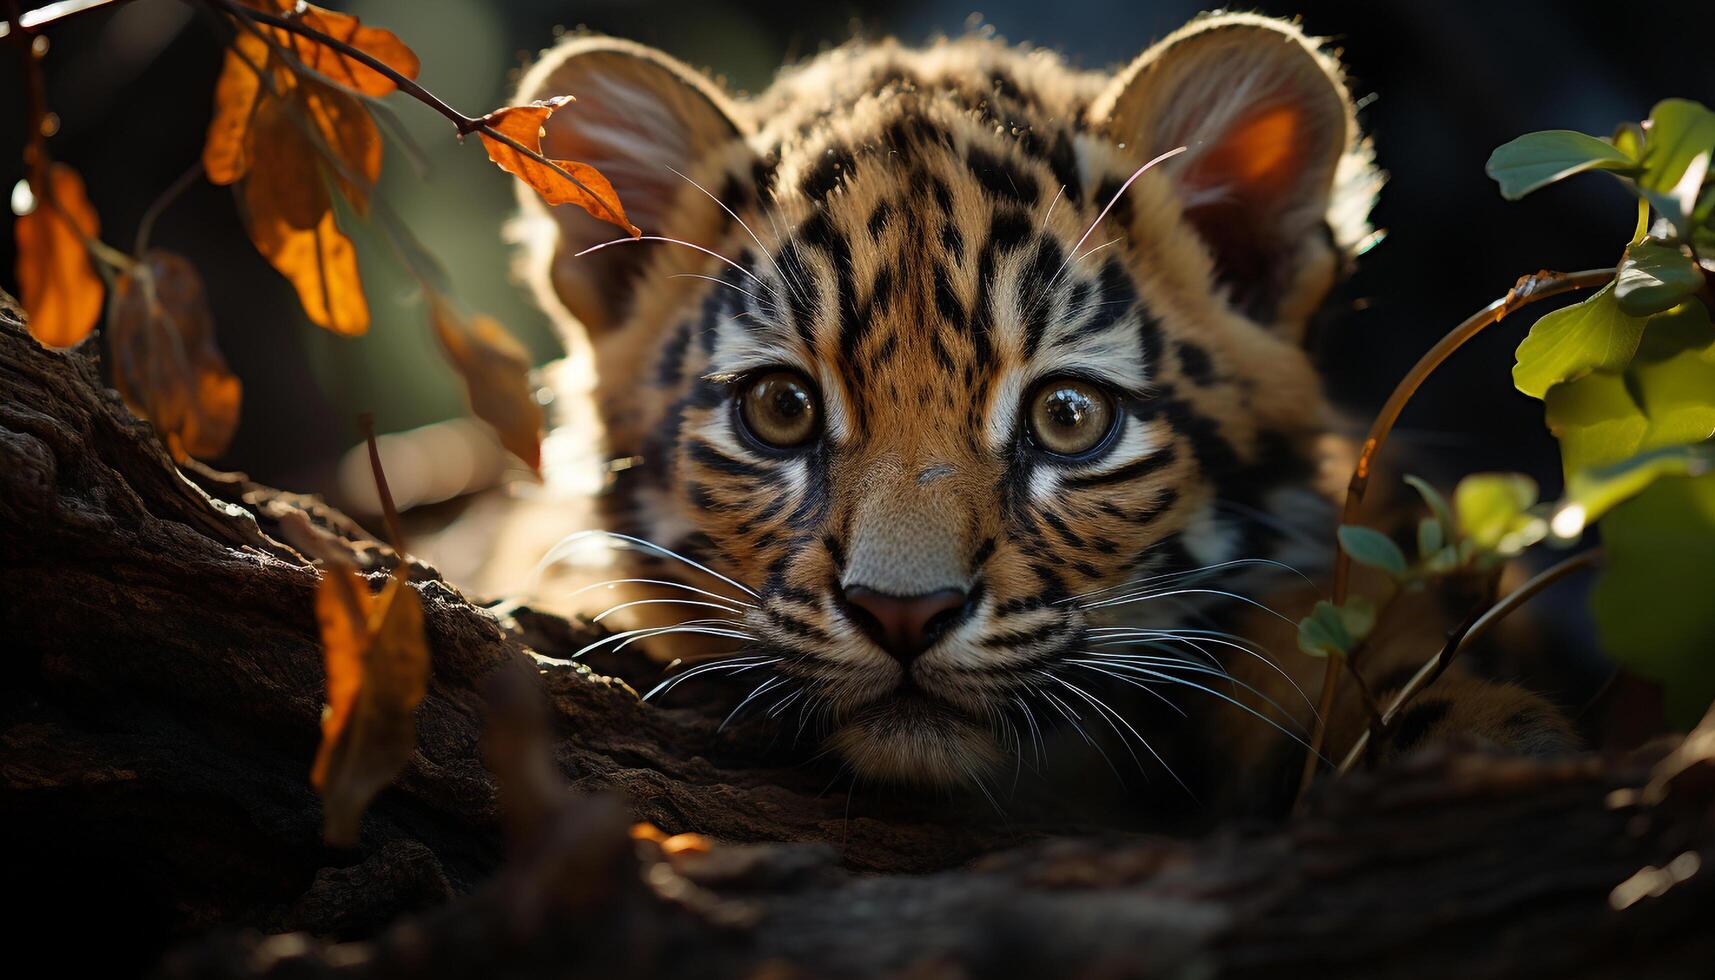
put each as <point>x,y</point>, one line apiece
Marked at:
<point>1655,277</point>
<point>1651,603</point>
<point>1437,503</point>
<point>1431,535</point>
<point>1358,616</point>
<point>1596,420</point>
<point>1537,159</point>
<point>1367,546</point>
<point>1677,149</point>
<point>1592,493</point>
<point>1494,512</point>
<point>1323,633</point>
<point>1332,631</point>
<point>1569,343</point>
<point>1665,397</point>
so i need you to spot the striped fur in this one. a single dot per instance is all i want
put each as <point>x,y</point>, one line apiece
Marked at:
<point>921,234</point>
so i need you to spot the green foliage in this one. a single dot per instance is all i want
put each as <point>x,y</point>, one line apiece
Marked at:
<point>1367,546</point>
<point>1536,160</point>
<point>1567,344</point>
<point>1627,378</point>
<point>1655,277</point>
<point>1334,631</point>
<point>1652,605</point>
<point>1495,513</point>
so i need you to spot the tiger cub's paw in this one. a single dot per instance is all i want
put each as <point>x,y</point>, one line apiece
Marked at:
<point>1490,713</point>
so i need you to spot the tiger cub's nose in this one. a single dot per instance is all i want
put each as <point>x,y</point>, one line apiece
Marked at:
<point>904,626</point>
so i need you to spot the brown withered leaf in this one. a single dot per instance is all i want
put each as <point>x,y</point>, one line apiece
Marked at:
<point>523,124</point>
<point>336,66</point>
<point>237,96</point>
<point>377,660</point>
<point>285,179</point>
<point>321,263</point>
<point>496,372</point>
<point>166,365</point>
<point>56,282</point>
<point>350,132</point>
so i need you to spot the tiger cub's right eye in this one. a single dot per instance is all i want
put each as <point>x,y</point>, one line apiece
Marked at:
<point>779,409</point>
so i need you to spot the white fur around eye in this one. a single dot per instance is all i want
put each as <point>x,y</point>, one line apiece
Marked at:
<point>1136,441</point>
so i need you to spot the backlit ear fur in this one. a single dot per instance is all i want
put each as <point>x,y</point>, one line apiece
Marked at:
<point>1275,178</point>
<point>639,116</point>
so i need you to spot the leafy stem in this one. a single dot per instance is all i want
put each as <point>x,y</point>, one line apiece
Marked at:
<point>1527,290</point>
<point>461,122</point>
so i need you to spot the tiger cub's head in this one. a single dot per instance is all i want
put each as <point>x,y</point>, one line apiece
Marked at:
<point>925,349</point>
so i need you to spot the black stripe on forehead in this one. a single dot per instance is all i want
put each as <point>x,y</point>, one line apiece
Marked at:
<point>1002,178</point>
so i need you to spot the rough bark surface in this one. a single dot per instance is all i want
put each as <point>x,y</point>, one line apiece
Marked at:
<point>158,716</point>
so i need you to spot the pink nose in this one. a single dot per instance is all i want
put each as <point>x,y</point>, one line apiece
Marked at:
<point>904,626</point>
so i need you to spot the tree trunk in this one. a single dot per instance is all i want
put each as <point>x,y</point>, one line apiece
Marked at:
<point>160,714</point>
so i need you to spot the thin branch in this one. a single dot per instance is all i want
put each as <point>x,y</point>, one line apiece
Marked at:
<point>1469,632</point>
<point>146,226</point>
<point>404,83</point>
<point>1529,289</point>
<point>463,123</point>
<point>32,21</point>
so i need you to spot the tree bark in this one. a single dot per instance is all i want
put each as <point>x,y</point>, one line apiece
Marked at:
<point>163,685</point>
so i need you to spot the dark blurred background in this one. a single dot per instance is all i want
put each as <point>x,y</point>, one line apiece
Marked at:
<point>1443,83</point>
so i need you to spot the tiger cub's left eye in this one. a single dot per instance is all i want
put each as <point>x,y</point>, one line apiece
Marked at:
<point>779,409</point>
<point>1070,417</point>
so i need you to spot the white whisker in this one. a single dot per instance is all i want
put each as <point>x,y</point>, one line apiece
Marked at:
<point>564,546</point>
<point>610,610</point>
<point>661,582</point>
<point>737,665</point>
<point>672,241</point>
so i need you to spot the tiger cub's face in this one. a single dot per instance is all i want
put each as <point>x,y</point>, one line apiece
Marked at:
<point>967,362</point>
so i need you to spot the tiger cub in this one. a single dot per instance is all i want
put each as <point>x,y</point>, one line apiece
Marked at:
<point>960,383</point>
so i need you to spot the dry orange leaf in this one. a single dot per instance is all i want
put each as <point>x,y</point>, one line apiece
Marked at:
<point>496,372</point>
<point>237,96</point>
<point>285,179</point>
<point>523,124</point>
<point>166,365</point>
<point>377,672</point>
<point>350,132</point>
<point>321,264</point>
<point>337,67</point>
<point>56,282</point>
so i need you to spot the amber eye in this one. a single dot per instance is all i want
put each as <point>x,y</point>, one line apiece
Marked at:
<point>779,409</point>
<point>1070,417</point>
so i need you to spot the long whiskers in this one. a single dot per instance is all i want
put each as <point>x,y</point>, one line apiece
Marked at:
<point>565,545</point>
<point>674,241</point>
<point>736,665</point>
<point>664,583</point>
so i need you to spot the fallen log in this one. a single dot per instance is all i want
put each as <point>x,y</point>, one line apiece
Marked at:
<point>163,685</point>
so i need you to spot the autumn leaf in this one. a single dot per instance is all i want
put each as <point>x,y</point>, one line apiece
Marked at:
<point>338,67</point>
<point>350,132</point>
<point>237,96</point>
<point>523,124</point>
<point>321,264</point>
<point>285,183</point>
<point>56,282</point>
<point>496,373</point>
<point>377,661</point>
<point>166,365</point>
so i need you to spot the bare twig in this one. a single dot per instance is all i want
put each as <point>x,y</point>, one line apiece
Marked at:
<point>1529,289</point>
<point>1462,637</point>
<point>30,21</point>
<point>146,226</point>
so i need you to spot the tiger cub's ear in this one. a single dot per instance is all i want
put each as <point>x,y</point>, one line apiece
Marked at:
<point>1274,177</point>
<point>639,116</point>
